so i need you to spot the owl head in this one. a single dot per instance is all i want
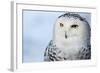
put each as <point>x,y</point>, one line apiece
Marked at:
<point>71,27</point>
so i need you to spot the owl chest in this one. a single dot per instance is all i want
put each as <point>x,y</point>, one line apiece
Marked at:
<point>59,54</point>
<point>69,51</point>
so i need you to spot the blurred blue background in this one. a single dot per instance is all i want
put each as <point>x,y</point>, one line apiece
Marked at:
<point>38,31</point>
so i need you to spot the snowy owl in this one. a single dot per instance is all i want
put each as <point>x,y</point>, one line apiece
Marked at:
<point>71,39</point>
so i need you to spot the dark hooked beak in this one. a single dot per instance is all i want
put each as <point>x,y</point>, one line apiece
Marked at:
<point>66,35</point>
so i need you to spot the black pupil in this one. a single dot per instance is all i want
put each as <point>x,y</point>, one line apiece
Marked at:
<point>74,26</point>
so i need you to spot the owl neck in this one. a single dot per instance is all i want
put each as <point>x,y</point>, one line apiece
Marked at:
<point>70,42</point>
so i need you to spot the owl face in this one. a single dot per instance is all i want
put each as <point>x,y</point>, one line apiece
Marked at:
<point>71,30</point>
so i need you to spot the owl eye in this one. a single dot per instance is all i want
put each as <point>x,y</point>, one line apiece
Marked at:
<point>61,25</point>
<point>74,26</point>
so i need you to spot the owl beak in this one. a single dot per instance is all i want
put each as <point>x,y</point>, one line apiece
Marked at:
<point>66,35</point>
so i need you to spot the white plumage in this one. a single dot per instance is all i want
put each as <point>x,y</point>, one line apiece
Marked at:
<point>71,39</point>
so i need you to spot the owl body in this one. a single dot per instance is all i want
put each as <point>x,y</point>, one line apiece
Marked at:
<point>71,39</point>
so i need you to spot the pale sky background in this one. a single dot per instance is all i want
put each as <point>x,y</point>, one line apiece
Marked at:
<point>38,31</point>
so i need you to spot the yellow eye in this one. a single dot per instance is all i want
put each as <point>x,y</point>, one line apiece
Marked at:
<point>61,25</point>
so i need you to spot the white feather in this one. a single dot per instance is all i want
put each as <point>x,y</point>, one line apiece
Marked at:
<point>76,37</point>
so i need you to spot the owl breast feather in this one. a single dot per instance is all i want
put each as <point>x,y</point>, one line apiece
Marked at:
<point>52,53</point>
